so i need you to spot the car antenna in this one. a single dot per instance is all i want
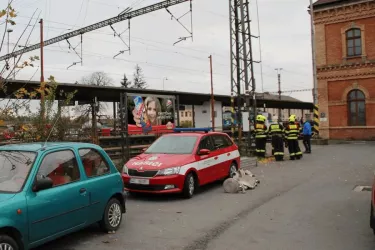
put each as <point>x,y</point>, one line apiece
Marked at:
<point>50,132</point>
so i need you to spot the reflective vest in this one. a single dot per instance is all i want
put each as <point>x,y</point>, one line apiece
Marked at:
<point>292,131</point>
<point>275,129</point>
<point>260,130</point>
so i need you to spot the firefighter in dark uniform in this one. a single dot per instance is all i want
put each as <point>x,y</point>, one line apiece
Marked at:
<point>276,131</point>
<point>260,131</point>
<point>291,133</point>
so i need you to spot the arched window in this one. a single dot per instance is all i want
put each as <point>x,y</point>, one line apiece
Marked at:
<point>356,108</point>
<point>353,42</point>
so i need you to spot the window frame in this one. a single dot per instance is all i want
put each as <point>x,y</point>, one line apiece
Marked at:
<point>56,151</point>
<point>29,174</point>
<point>353,38</point>
<point>101,156</point>
<point>209,137</point>
<point>355,101</point>
<point>223,138</point>
<point>229,140</point>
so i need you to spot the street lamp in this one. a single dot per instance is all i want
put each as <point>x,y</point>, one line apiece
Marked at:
<point>165,78</point>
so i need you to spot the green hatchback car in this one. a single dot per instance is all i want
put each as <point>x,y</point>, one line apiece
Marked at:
<point>53,189</point>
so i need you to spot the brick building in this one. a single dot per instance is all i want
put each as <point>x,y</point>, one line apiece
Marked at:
<point>345,60</point>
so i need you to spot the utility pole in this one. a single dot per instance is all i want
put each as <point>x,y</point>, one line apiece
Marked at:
<point>241,63</point>
<point>279,83</point>
<point>212,97</point>
<point>8,31</point>
<point>315,91</point>
<point>42,69</point>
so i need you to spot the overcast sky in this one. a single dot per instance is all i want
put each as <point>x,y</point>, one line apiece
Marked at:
<point>284,29</point>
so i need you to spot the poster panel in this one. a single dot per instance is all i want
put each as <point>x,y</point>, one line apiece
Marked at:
<point>149,114</point>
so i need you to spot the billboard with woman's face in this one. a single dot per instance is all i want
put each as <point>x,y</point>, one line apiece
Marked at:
<point>150,113</point>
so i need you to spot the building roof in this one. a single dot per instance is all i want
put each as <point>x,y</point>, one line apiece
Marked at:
<point>327,3</point>
<point>268,96</point>
<point>323,2</point>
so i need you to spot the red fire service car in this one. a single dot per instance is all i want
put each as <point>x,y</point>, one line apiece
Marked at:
<point>182,161</point>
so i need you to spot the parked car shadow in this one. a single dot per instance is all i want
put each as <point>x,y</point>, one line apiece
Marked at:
<point>70,241</point>
<point>174,197</point>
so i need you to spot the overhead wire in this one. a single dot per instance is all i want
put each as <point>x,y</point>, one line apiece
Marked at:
<point>86,12</point>
<point>79,14</point>
<point>180,69</point>
<point>149,40</point>
<point>48,4</point>
<point>153,41</point>
<point>151,64</point>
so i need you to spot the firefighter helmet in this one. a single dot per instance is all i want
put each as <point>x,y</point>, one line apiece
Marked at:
<point>260,118</point>
<point>292,118</point>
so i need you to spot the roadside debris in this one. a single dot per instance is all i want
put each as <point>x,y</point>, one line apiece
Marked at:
<point>267,160</point>
<point>241,181</point>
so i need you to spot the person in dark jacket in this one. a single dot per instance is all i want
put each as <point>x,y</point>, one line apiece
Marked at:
<point>276,131</point>
<point>291,135</point>
<point>260,132</point>
<point>307,136</point>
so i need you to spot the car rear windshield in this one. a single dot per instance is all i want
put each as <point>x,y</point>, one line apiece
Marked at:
<point>173,145</point>
<point>14,169</point>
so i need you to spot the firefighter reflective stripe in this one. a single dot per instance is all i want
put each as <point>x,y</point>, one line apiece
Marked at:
<point>278,153</point>
<point>292,132</point>
<point>260,130</point>
<point>260,136</point>
<point>260,150</point>
<point>275,129</point>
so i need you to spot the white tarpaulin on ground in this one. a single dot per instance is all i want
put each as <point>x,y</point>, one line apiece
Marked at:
<point>241,181</point>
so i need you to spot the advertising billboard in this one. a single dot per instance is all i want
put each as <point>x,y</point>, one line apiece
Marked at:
<point>150,114</point>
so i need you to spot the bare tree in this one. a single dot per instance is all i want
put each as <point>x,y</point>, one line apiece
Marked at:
<point>13,67</point>
<point>96,79</point>
<point>42,121</point>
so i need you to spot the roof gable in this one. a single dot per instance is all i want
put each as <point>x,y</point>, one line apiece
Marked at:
<point>323,2</point>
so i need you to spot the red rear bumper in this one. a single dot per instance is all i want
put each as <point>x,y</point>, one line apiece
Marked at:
<point>157,184</point>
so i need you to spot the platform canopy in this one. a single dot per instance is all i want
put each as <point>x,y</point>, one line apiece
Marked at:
<point>87,93</point>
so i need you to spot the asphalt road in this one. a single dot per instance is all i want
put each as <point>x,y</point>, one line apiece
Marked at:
<point>306,204</point>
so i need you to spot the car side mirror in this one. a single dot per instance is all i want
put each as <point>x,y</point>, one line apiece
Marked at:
<point>42,184</point>
<point>204,152</point>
